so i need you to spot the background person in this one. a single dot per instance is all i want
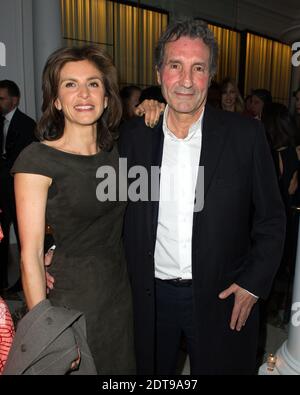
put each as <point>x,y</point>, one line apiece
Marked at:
<point>16,132</point>
<point>231,99</point>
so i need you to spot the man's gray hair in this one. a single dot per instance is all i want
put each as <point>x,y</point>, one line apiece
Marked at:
<point>192,28</point>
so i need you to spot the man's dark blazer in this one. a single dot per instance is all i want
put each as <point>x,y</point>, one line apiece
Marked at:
<point>237,237</point>
<point>20,134</point>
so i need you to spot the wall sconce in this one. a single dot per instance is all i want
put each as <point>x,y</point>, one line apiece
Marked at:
<point>271,362</point>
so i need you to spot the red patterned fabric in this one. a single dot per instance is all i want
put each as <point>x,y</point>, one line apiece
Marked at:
<point>7,333</point>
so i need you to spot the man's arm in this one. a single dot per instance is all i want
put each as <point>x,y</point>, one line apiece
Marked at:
<point>268,224</point>
<point>267,237</point>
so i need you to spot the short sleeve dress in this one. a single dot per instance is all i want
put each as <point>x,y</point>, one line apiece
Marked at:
<point>88,265</point>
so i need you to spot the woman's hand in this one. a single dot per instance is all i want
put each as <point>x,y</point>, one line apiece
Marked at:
<point>47,262</point>
<point>152,109</point>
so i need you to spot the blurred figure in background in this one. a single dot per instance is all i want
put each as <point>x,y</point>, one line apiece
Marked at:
<point>248,106</point>
<point>280,131</point>
<point>296,94</point>
<point>231,99</point>
<point>152,93</point>
<point>7,332</point>
<point>130,96</point>
<point>297,106</point>
<point>16,132</point>
<point>261,98</point>
<point>248,102</point>
<point>214,94</point>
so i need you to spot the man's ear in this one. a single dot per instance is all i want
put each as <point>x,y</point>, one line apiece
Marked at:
<point>15,101</point>
<point>158,76</point>
<point>58,105</point>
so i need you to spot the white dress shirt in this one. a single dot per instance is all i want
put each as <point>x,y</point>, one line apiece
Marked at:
<point>179,170</point>
<point>7,120</point>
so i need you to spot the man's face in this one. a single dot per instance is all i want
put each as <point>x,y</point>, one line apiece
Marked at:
<point>7,103</point>
<point>185,76</point>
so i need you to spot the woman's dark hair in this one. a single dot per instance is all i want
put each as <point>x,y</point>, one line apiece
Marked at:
<point>279,125</point>
<point>52,123</point>
<point>192,28</point>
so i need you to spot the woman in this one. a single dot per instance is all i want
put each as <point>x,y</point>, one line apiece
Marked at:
<point>55,181</point>
<point>231,99</point>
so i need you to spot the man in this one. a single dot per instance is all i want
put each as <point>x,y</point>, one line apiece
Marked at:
<point>16,132</point>
<point>199,273</point>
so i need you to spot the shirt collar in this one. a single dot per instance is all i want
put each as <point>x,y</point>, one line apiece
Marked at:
<point>9,116</point>
<point>194,130</point>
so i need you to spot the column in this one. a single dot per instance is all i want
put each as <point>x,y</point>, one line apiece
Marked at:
<point>47,37</point>
<point>287,358</point>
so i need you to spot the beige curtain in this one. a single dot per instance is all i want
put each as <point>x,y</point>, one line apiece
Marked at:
<point>268,66</point>
<point>136,32</point>
<point>229,43</point>
<point>87,21</point>
<point>128,33</point>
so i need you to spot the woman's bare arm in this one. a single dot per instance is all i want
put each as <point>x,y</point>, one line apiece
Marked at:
<point>31,192</point>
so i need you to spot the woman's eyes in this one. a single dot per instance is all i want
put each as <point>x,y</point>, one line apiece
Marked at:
<point>70,84</point>
<point>93,84</point>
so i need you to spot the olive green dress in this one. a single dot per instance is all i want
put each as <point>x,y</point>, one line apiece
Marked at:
<point>88,265</point>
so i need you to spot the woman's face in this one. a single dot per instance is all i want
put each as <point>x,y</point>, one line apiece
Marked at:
<point>297,104</point>
<point>229,98</point>
<point>81,94</point>
<point>257,106</point>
